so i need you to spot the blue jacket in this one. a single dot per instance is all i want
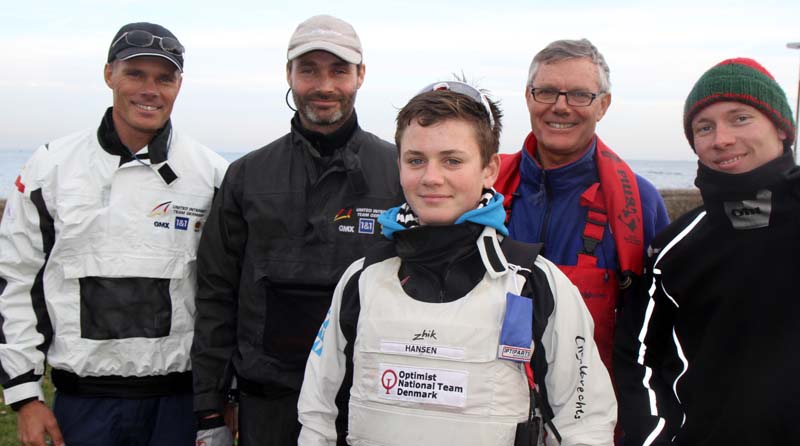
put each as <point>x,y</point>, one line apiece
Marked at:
<point>546,208</point>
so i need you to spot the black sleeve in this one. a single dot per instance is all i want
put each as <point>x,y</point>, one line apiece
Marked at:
<point>219,265</point>
<point>647,405</point>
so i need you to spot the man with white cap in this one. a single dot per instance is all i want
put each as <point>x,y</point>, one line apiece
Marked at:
<point>288,220</point>
<point>97,276</point>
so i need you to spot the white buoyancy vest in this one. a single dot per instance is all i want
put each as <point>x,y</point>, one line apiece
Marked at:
<point>429,373</point>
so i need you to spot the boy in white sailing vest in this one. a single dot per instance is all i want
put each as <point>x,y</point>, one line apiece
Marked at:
<point>429,337</point>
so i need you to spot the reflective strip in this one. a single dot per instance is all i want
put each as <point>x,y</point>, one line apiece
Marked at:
<point>643,348</point>
<point>685,362</point>
<point>645,324</point>
<point>656,432</point>
<point>680,237</point>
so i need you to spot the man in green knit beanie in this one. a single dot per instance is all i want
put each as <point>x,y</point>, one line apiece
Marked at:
<point>707,353</point>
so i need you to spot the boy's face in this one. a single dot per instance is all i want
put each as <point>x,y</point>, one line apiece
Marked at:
<point>441,170</point>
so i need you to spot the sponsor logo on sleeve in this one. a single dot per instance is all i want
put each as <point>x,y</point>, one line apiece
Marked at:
<point>317,347</point>
<point>583,372</point>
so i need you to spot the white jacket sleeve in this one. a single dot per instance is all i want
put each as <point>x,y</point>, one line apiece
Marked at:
<point>579,388</point>
<point>325,371</point>
<point>24,232</point>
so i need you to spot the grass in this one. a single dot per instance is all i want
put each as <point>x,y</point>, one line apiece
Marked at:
<point>8,418</point>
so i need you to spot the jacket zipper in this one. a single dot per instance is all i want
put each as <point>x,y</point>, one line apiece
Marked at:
<point>548,208</point>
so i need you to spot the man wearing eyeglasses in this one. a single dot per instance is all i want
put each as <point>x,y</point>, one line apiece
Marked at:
<point>569,190</point>
<point>288,220</point>
<point>97,254</point>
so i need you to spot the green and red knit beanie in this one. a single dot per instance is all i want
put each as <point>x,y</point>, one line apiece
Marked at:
<point>741,80</point>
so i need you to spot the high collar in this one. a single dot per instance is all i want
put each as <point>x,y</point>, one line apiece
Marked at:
<point>343,158</point>
<point>157,149</point>
<point>437,244</point>
<point>581,172</point>
<point>748,200</point>
<point>324,144</point>
<point>441,263</point>
<point>720,186</point>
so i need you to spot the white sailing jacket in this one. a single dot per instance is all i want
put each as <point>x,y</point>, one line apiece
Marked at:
<point>97,260</point>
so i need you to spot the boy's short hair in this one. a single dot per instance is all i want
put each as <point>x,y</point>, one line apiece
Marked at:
<point>441,104</point>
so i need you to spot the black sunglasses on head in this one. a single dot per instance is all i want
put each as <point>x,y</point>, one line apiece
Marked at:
<point>145,39</point>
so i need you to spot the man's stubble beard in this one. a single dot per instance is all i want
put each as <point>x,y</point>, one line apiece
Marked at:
<point>308,111</point>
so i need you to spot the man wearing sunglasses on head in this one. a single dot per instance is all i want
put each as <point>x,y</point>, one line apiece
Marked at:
<point>569,190</point>
<point>97,255</point>
<point>288,220</point>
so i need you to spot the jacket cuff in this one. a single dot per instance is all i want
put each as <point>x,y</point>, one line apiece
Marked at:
<point>18,405</point>
<point>208,402</point>
<point>210,423</point>
<point>23,391</point>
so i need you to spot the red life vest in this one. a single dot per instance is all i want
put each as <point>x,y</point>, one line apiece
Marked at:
<point>615,202</point>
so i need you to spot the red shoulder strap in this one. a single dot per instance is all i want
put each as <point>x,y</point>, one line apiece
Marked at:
<point>624,207</point>
<point>596,220</point>
<point>508,177</point>
<point>620,195</point>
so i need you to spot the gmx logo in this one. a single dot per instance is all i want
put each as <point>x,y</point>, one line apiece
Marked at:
<point>181,223</point>
<point>366,226</point>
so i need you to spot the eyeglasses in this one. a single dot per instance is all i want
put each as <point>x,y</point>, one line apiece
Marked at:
<point>465,89</point>
<point>575,98</point>
<point>144,39</point>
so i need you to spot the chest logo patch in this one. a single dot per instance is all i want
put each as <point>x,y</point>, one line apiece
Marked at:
<point>422,385</point>
<point>343,214</point>
<point>359,220</point>
<point>160,210</point>
<point>366,226</point>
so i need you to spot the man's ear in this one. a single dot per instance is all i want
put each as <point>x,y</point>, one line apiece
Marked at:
<point>107,70</point>
<point>605,102</point>
<point>289,73</point>
<point>362,70</point>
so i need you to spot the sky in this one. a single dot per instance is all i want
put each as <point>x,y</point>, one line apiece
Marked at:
<point>232,97</point>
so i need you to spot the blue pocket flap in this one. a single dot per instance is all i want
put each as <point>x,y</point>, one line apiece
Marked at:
<point>516,335</point>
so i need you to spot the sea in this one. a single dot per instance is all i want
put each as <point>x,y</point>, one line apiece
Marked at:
<point>663,174</point>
